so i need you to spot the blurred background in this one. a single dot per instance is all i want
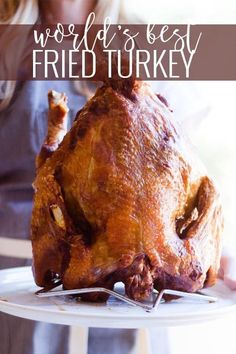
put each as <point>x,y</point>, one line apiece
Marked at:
<point>184,11</point>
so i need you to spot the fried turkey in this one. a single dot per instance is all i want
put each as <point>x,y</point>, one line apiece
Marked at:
<point>123,197</point>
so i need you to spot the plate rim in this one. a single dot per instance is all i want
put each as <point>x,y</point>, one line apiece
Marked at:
<point>194,316</point>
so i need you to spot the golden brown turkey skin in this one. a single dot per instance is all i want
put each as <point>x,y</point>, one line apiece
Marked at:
<point>124,198</point>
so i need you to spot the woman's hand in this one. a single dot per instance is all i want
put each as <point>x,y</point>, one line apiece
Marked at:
<point>227,270</point>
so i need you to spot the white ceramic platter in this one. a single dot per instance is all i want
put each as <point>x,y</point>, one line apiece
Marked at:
<point>17,297</point>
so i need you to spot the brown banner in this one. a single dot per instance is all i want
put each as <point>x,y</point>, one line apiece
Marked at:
<point>92,52</point>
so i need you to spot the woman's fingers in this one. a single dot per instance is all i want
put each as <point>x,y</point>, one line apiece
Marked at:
<point>227,270</point>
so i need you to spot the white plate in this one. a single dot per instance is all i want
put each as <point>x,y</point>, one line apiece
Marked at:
<point>17,298</point>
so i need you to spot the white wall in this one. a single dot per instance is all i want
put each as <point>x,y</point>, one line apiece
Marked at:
<point>182,11</point>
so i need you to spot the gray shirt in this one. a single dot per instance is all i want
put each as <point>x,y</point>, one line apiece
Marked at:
<point>23,126</point>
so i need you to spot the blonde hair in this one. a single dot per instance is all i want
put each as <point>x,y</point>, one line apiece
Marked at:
<point>13,12</point>
<point>27,12</point>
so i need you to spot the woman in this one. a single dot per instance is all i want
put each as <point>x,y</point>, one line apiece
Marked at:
<point>28,102</point>
<point>23,121</point>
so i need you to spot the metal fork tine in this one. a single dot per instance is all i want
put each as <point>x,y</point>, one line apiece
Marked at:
<point>93,290</point>
<point>47,289</point>
<point>198,297</point>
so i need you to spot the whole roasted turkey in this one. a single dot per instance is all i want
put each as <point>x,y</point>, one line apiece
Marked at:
<point>123,197</point>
